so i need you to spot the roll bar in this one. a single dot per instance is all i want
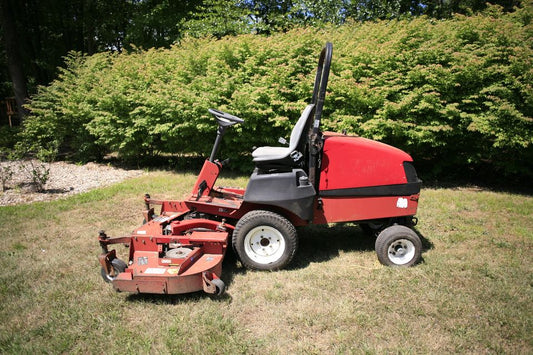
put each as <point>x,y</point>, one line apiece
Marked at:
<point>321,83</point>
<point>319,95</point>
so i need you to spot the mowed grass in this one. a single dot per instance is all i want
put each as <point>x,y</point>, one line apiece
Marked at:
<point>473,292</point>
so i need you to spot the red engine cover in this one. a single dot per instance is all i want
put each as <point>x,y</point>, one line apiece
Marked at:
<point>352,162</point>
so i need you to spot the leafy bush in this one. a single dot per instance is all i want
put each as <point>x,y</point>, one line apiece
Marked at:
<point>8,137</point>
<point>454,93</point>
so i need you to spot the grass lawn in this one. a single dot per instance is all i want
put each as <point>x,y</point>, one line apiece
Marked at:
<point>472,293</point>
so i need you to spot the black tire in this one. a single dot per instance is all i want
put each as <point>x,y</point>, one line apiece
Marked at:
<point>398,246</point>
<point>264,240</point>
<point>220,287</point>
<point>118,267</point>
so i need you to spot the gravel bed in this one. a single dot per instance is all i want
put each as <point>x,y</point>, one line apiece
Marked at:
<point>64,179</point>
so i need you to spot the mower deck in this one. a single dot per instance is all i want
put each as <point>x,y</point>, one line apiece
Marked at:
<point>185,256</point>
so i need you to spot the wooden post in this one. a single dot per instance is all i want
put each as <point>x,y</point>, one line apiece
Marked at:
<point>11,105</point>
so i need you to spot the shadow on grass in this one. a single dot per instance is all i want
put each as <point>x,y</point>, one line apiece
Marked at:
<point>320,243</point>
<point>317,244</point>
<point>168,299</point>
<point>426,245</point>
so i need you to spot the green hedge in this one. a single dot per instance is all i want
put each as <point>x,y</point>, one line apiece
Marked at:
<point>455,94</point>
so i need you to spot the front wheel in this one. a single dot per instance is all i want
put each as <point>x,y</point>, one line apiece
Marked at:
<point>264,240</point>
<point>398,246</point>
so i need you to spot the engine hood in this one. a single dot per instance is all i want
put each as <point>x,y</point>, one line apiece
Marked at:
<point>354,162</point>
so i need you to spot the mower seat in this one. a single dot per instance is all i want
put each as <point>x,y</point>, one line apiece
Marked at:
<point>279,157</point>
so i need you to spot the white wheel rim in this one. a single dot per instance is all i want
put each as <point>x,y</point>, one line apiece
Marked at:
<point>264,244</point>
<point>401,251</point>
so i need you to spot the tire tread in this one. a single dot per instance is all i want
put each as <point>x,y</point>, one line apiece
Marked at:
<point>390,234</point>
<point>268,218</point>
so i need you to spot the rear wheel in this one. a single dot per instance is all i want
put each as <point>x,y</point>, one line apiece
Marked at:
<point>117,266</point>
<point>264,240</point>
<point>398,246</point>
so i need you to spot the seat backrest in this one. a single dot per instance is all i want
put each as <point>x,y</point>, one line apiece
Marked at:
<point>300,128</point>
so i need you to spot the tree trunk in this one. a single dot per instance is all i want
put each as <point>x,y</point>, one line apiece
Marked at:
<point>14,61</point>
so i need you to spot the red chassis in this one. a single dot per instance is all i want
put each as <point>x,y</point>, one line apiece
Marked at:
<point>187,225</point>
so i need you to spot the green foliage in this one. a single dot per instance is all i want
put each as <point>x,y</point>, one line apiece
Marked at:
<point>8,136</point>
<point>454,93</point>
<point>47,30</point>
<point>217,18</point>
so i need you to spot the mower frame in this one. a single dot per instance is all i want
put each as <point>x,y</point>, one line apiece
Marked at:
<point>321,178</point>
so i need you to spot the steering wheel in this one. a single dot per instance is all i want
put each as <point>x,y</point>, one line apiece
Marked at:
<point>225,119</point>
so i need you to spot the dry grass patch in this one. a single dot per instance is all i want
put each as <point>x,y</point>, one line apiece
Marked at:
<point>472,293</point>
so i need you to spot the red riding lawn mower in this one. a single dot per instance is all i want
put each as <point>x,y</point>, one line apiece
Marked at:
<point>319,178</point>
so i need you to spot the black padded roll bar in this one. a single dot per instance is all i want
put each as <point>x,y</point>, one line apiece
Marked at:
<point>321,83</point>
<point>319,95</point>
